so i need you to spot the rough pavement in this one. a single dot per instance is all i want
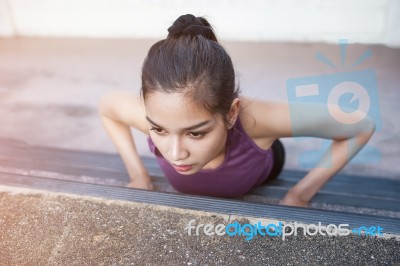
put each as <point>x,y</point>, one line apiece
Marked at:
<point>41,228</point>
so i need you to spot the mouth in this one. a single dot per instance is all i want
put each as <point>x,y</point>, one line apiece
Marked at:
<point>182,167</point>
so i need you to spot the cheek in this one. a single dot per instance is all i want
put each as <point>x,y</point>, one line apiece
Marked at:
<point>159,142</point>
<point>214,143</point>
<point>199,148</point>
<point>219,137</point>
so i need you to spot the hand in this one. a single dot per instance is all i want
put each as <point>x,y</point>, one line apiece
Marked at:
<point>141,184</point>
<point>292,199</point>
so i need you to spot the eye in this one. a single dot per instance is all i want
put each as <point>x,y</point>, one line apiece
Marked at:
<point>197,135</point>
<point>158,131</point>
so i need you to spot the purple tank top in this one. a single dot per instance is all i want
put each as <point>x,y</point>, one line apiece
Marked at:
<point>245,165</point>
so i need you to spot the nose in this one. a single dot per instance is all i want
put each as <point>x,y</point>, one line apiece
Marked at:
<point>177,150</point>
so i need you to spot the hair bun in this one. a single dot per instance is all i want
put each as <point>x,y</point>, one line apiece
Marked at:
<point>191,25</point>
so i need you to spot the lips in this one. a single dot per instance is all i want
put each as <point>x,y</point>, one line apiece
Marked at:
<point>182,167</point>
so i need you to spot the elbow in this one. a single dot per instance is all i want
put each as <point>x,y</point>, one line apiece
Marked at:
<point>366,125</point>
<point>368,130</point>
<point>370,125</point>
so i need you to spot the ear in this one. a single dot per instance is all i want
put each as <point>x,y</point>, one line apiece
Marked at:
<point>233,112</point>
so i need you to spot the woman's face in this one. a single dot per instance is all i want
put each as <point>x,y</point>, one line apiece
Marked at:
<point>185,133</point>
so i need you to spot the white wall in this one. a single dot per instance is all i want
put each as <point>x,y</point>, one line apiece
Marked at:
<point>6,22</point>
<point>365,21</point>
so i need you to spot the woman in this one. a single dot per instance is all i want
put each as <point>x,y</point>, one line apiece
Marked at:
<point>207,139</point>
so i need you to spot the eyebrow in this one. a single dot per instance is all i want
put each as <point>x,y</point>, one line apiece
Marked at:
<point>188,128</point>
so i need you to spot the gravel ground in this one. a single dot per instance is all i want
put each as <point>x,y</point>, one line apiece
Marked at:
<point>41,228</point>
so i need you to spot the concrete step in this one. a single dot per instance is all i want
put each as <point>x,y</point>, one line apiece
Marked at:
<point>376,195</point>
<point>73,201</point>
<point>203,203</point>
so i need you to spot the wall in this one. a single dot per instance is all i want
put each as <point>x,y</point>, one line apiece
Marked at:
<point>365,21</point>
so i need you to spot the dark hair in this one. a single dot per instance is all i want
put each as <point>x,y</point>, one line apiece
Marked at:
<point>191,61</point>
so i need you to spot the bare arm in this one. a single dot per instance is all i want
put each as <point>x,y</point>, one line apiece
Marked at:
<point>349,132</point>
<point>120,110</point>
<point>349,135</point>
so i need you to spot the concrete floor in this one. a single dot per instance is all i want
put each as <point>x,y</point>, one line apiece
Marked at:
<point>49,89</point>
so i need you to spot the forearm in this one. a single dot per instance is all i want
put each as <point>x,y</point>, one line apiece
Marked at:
<point>339,154</point>
<point>122,139</point>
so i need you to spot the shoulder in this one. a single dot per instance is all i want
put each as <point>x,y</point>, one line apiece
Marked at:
<point>125,107</point>
<point>264,119</point>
